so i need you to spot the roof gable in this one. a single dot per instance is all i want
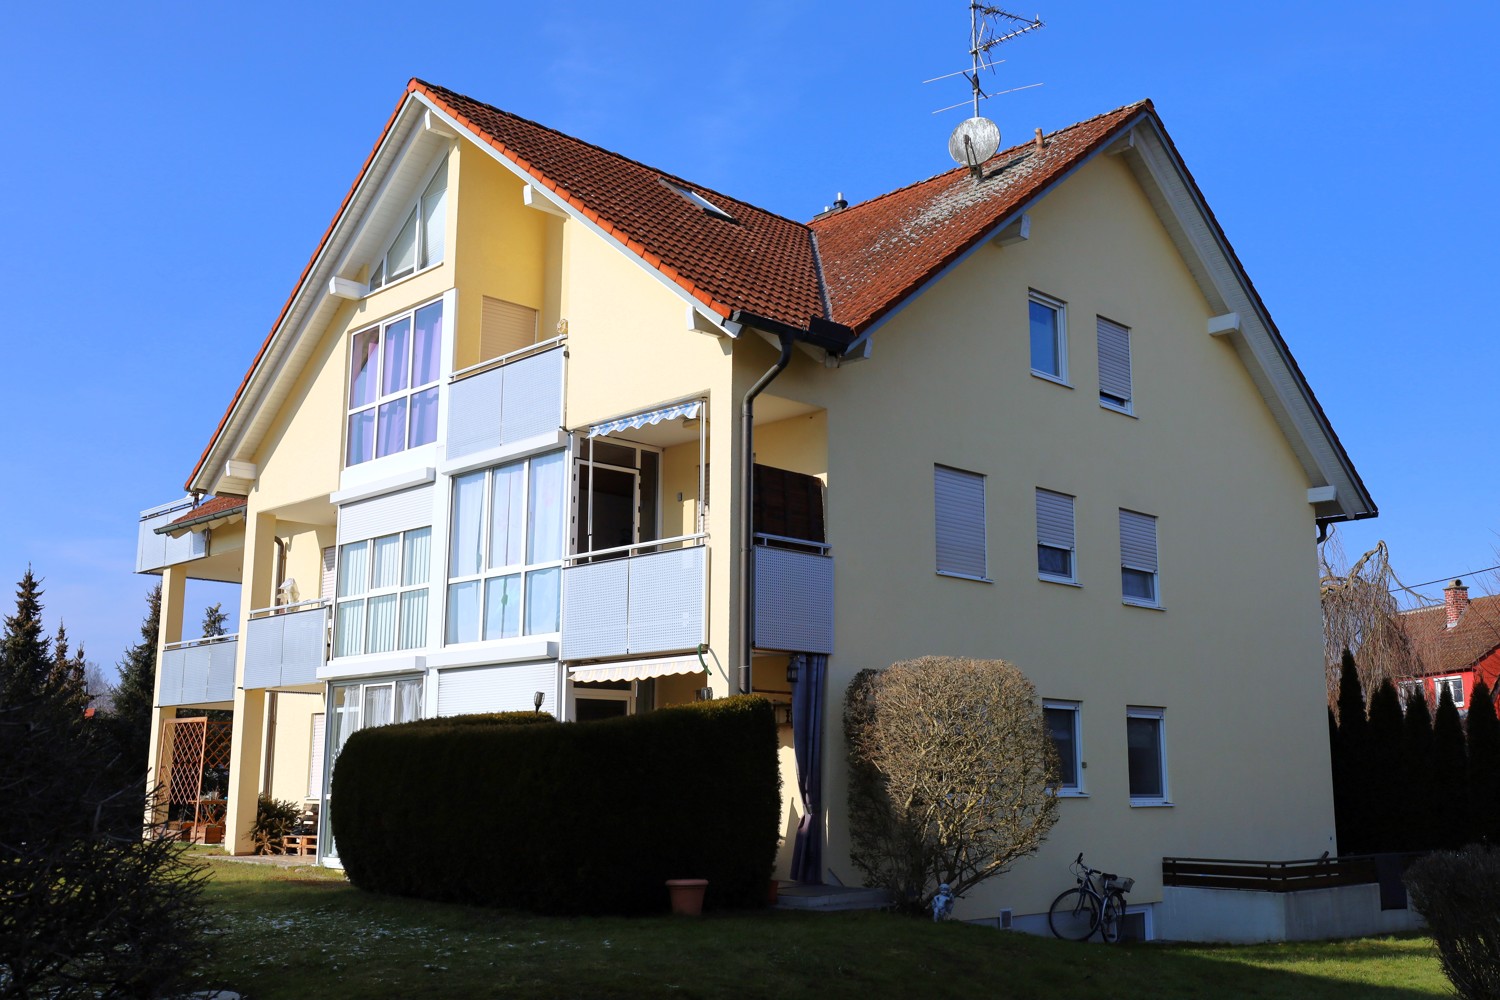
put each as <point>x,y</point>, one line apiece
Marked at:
<point>1444,650</point>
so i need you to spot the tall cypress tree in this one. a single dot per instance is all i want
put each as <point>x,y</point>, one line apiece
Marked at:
<point>1393,812</point>
<point>1416,772</point>
<point>1351,796</point>
<point>1484,763</point>
<point>1448,784</point>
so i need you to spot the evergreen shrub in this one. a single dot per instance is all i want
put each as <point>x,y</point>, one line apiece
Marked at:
<point>580,818</point>
<point>1455,892</point>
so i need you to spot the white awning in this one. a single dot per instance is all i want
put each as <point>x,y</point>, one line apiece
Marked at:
<point>637,670</point>
<point>687,411</point>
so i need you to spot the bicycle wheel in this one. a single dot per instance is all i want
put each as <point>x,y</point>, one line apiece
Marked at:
<point>1074,915</point>
<point>1112,918</point>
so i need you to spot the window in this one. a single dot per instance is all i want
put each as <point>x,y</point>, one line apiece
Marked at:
<point>697,199</point>
<point>1049,338</point>
<point>506,550</point>
<point>393,393</point>
<point>419,243</point>
<point>1054,537</point>
<point>1062,719</point>
<point>1114,366</point>
<point>958,498</point>
<point>1409,690</point>
<point>1455,686</point>
<point>1146,751</point>
<point>1138,567</point>
<point>382,594</point>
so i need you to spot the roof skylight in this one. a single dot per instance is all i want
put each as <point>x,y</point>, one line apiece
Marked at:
<point>699,200</point>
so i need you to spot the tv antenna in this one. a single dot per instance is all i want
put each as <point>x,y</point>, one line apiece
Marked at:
<point>976,139</point>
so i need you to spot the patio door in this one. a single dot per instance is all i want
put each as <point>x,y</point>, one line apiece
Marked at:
<point>616,497</point>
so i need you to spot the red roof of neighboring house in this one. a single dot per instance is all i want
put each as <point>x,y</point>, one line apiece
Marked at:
<point>876,253</point>
<point>1446,650</point>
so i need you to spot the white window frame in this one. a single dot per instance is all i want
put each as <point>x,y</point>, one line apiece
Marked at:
<point>368,593</point>
<point>1153,571</point>
<point>1071,577</point>
<point>1159,715</point>
<point>1456,685</point>
<point>980,480</point>
<point>523,569</point>
<point>1060,336</point>
<point>697,199</point>
<point>1108,400</point>
<point>381,265</point>
<point>411,390</point>
<point>1406,689</point>
<point>1077,789</point>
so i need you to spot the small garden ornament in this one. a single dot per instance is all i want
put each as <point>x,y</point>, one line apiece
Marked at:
<point>942,903</point>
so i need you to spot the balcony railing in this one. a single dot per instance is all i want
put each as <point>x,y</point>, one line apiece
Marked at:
<point>198,672</point>
<point>793,595</point>
<point>505,400</point>
<point>153,551</point>
<point>636,604</point>
<point>285,646</point>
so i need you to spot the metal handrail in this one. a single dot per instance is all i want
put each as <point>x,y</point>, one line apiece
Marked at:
<point>701,536</point>
<point>281,609</point>
<point>822,547</point>
<point>206,640</point>
<point>507,358</point>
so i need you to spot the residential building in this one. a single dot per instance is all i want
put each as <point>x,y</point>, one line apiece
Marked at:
<point>1457,644</point>
<point>542,426</point>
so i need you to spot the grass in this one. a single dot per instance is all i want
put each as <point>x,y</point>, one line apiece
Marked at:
<point>304,932</point>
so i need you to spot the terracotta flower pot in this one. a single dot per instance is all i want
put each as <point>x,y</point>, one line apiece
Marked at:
<point>687,895</point>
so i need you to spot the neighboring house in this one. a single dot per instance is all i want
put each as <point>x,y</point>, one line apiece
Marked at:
<point>1457,644</point>
<point>496,452</point>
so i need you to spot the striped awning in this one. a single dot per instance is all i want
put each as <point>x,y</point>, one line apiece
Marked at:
<point>637,670</point>
<point>687,411</point>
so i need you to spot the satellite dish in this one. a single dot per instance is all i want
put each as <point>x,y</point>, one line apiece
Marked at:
<point>973,142</point>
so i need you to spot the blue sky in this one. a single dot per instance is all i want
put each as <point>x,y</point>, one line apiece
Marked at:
<point>170,167</point>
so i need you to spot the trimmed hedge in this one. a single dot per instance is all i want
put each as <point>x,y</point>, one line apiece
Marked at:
<point>485,719</point>
<point>579,818</point>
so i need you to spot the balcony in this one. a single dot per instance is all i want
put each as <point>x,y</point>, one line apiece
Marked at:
<point>200,672</point>
<point>154,552</point>
<point>285,646</point>
<point>793,595</point>
<point>636,604</point>
<point>505,400</point>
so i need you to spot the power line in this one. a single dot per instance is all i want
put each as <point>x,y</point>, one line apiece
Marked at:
<point>1445,579</point>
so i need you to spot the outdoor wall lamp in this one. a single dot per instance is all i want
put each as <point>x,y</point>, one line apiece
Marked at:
<point>537,699</point>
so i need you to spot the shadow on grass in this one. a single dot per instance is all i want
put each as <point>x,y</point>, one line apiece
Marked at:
<point>282,937</point>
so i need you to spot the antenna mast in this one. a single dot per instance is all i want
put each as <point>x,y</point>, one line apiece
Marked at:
<point>989,27</point>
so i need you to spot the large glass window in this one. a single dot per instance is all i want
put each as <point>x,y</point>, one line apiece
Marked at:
<point>506,549</point>
<point>393,392</point>
<point>419,242</point>
<point>1146,756</point>
<point>382,591</point>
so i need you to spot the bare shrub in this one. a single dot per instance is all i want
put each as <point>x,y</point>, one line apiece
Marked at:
<point>950,766</point>
<point>1454,891</point>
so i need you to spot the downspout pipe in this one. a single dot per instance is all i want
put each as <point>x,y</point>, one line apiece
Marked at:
<point>747,502</point>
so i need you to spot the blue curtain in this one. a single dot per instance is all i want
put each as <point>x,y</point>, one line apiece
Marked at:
<point>807,744</point>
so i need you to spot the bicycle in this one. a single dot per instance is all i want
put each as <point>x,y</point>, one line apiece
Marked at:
<point>1077,913</point>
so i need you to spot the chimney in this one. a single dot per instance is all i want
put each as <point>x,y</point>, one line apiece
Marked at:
<point>1039,141</point>
<point>1455,601</point>
<point>839,202</point>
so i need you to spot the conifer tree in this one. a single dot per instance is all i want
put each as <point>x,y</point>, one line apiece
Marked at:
<point>1350,769</point>
<point>67,681</point>
<point>1393,811</point>
<point>1448,783</point>
<point>1484,763</point>
<point>130,720</point>
<point>214,621</point>
<point>1416,771</point>
<point>25,654</point>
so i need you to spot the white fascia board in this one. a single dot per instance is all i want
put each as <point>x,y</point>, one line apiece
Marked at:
<point>1226,287</point>
<point>703,322</point>
<point>1218,326</point>
<point>390,484</point>
<point>535,196</point>
<point>1323,494</point>
<point>1018,231</point>
<point>312,292</point>
<point>573,214</point>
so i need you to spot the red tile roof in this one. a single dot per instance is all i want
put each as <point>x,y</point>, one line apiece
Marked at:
<point>876,253</point>
<point>759,262</point>
<point>1446,650</point>
<point>212,507</point>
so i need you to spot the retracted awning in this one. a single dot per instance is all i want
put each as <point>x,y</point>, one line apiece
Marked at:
<point>687,411</point>
<point>637,670</point>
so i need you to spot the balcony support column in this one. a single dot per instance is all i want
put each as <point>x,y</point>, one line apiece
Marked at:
<point>159,764</point>
<point>247,742</point>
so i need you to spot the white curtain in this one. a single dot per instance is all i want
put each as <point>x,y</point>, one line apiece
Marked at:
<point>382,624</point>
<point>414,619</point>
<point>409,700</point>
<point>377,705</point>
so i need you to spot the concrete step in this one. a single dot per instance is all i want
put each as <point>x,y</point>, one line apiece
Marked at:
<point>830,898</point>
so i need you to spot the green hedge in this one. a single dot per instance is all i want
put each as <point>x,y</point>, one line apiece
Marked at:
<point>569,819</point>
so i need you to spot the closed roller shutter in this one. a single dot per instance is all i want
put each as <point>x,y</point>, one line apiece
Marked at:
<point>958,498</point>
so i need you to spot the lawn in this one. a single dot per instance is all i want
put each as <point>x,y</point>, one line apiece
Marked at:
<point>304,932</point>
